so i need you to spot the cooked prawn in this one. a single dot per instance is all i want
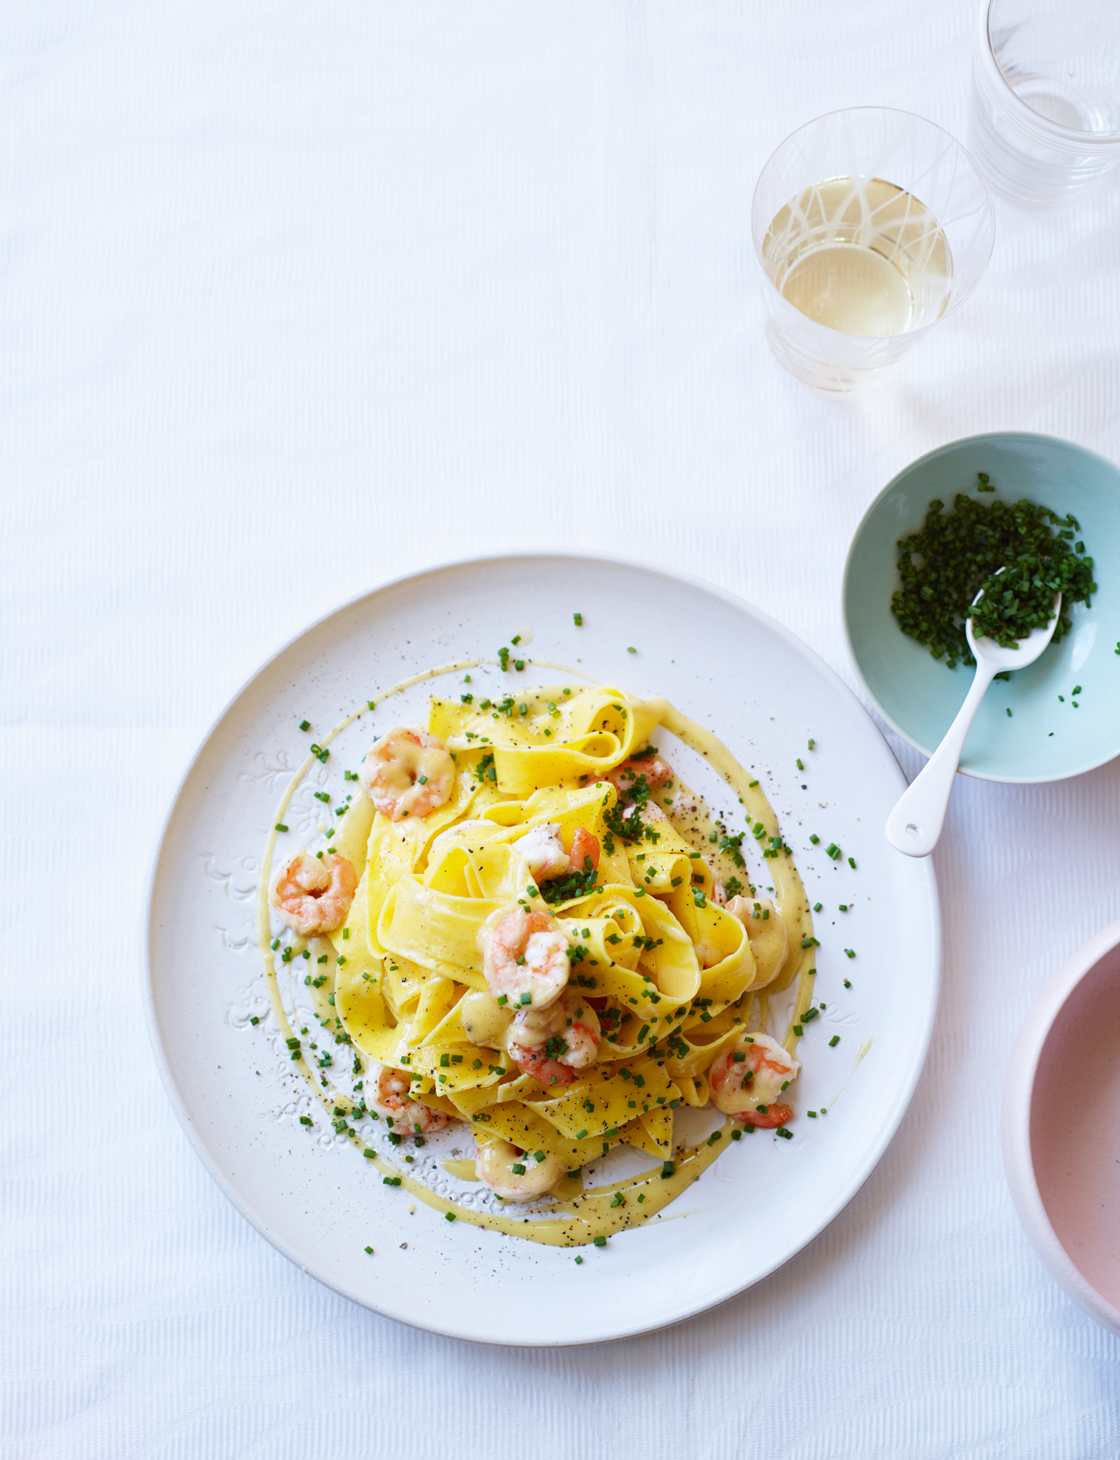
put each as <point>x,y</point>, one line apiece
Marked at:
<point>542,851</point>
<point>514,1174</point>
<point>407,773</point>
<point>585,851</point>
<point>524,957</point>
<point>404,1117</point>
<point>746,1081</point>
<point>484,1020</point>
<point>553,1044</point>
<point>766,930</point>
<point>313,894</point>
<point>625,776</point>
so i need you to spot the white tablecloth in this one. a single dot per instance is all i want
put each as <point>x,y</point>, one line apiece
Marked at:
<point>298,297</point>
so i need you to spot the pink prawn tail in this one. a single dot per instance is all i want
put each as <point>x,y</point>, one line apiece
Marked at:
<point>548,1072</point>
<point>775,1116</point>
<point>584,846</point>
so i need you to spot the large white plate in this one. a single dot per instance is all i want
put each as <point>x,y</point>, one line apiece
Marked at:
<point>765,694</point>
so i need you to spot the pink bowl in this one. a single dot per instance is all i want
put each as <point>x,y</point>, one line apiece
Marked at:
<point>1061,1127</point>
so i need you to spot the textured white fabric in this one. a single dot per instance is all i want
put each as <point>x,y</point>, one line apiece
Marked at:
<point>297,297</point>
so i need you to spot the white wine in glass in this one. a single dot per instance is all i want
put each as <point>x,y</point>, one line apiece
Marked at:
<point>860,255</point>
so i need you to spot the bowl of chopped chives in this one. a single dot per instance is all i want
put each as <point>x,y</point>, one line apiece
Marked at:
<point>1048,513</point>
<point>1060,1127</point>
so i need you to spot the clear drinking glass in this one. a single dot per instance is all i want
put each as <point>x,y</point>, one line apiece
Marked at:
<point>1045,115</point>
<point>869,226</point>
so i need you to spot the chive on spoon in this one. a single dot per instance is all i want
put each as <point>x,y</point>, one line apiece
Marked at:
<point>914,825</point>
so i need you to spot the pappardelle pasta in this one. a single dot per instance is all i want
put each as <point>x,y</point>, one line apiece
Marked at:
<point>526,929</point>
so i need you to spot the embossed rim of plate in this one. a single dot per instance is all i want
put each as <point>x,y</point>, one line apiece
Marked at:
<point>861,1150</point>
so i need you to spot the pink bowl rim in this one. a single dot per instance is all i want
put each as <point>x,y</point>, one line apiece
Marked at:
<point>1015,1124</point>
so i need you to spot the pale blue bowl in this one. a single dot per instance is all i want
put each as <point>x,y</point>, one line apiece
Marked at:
<point>1044,739</point>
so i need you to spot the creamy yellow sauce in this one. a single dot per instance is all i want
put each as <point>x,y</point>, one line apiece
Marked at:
<point>863,1049</point>
<point>578,1216</point>
<point>789,893</point>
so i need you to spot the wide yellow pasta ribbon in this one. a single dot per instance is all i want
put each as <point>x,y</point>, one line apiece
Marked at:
<point>604,1101</point>
<point>537,741</point>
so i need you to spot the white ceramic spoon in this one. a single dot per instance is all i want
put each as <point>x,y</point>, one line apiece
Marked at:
<point>915,823</point>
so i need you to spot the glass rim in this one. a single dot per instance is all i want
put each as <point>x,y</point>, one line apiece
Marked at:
<point>956,299</point>
<point>1078,135</point>
<point>851,111</point>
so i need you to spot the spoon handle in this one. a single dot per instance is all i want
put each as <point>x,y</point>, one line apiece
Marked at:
<point>915,823</point>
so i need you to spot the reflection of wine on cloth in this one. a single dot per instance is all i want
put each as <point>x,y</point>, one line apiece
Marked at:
<point>860,255</point>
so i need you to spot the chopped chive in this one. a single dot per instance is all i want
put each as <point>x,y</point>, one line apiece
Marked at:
<point>280,826</point>
<point>577,619</point>
<point>834,1041</point>
<point>305,724</point>
<point>1004,548</point>
<point>815,839</point>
